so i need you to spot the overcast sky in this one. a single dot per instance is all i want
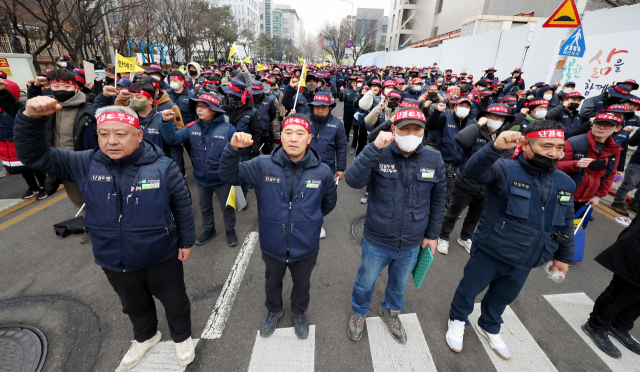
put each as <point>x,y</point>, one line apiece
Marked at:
<point>314,13</point>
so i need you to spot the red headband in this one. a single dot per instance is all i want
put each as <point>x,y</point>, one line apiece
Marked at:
<point>538,102</point>
<point>156,66</point>
<point>546,133</point>
<point>210,98</point>
<point>609,117</point>
<point>409,114</point>
<point>63,82</point>
<point>119,116</point>
<point>146,94</point>
<point>408,104</point>
<point>176,77</point>
<point>394,95</point>
<point>322,98</point>
<point>498,108</point>
<point>244,93</point>
<point>621,91</point>
<point>294,120</point>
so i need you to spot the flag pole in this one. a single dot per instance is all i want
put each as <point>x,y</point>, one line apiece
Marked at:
<point>115,71</point>
<point>302,75</point>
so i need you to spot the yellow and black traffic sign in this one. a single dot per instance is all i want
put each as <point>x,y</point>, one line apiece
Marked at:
<point>565,16</point>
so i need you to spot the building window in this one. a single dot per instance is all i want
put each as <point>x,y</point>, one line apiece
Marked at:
<point>285,30</point>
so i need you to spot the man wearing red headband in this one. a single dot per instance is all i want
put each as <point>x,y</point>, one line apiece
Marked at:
<point>294,192</point>
<point>138,210</point>
<point>527,220</point>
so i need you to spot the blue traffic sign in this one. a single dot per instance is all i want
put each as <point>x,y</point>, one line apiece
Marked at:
<point>574,46</point>
<point>348,44</point>
<point>331,42</point>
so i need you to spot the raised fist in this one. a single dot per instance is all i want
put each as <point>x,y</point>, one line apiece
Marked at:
<point>293,82</point>
<point>524,111</point>
<point>41,81</point>
<point>483,120</point>
<point>40,106</point>
<point>241,140</point>
<point>508,140</point>
<point>109,91</point>
<point>375,90</point>
<point>197,87</point>
<point>168,115</point>
<point>124,94</point>
<point>441,106</point>
<point>384,139</point>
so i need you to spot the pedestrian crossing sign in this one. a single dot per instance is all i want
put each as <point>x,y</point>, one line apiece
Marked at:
<point>565,16</point>
<point>575,45</point>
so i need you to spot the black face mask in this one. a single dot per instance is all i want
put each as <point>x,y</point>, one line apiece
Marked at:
<point>484,100</point>
<point>285,81</point>
<point>63,95</point>
<point>392,105</point>
<point>464,88</point>
<point>433,95</point>
<point>193,73</point>
<point>109,80</point>
<point>320,119</point>
<point>542,162</point>
<point>573,106</point>
<point>311,88</point>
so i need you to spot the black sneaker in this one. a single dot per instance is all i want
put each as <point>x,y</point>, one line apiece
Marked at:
<point>232,238</point>
<point>269,323</point>
<point>42,194</point>
<point>301,325</point>
<point>601,339</point>
<point>206,236</point>
<point>626,339</point>
<point>30,193</point>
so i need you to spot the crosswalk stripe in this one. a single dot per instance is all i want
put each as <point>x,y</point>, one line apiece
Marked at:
<point>526,355</point>
<point>161,357</point>
<point>575,309</point>
<point>388,355</point>
<point>6,203</point>
<point>215,324</point>
<point>283,352</point>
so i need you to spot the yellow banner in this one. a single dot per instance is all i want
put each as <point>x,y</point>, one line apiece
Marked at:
<point>328,56</point>
<point>303,76</point>
<point>231,200</point>
<point>300,59</point>
<point>246,60</point>
<point>261,67</point>
<point>126,64</point>
<point>234,50</point>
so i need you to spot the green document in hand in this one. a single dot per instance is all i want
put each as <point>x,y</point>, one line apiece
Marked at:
<point>424,261</point>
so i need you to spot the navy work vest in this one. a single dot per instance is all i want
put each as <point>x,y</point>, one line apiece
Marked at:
<point>242,125</point>
<point>451,152</point>
<point>302,106</point>
<point>205,152</point>
<point>478,143</point>
<point>580,148</point>
<point>324,141</point>
<point>570,123</point>
<point>290,225</point>
<point>263,111</point>
<point>134,230</point>
<point>152,131</point>
<point>182,101</point>
<point>514,227</point>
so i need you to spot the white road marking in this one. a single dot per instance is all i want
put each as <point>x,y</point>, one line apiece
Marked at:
<point>215,324</point>
<point>160,358</point>
<point>389,355</point>
<point>575,309</point>
<point>526,355</point>
<point>6,203</point>
<point>283,352</point>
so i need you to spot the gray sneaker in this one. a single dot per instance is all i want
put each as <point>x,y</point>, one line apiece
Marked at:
<point>395,326</point>
<point>268,325</point>
<point>356,327</point>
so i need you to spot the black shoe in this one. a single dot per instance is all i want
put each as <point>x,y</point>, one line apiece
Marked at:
<point>246,205</point>
<point>232,238</point>
<point>269,323</point>
<point>42,194</point>
<point>30,193</point>
<point>601,339</point>
<point>206,236</point>
<point>86,237</point>
<point>301,325</point>
<point>626,339</point>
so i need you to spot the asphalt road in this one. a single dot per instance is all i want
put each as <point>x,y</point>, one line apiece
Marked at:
<point>53,284</point>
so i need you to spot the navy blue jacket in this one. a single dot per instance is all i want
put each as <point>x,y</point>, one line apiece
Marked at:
<point>524,206</point>
<point>570,120</point>
<point>182,101</point>
<point>34,151</point>
<point>397,216</point>
<point>348,96</point>
<point>330,142</point>
<point>292,199</point>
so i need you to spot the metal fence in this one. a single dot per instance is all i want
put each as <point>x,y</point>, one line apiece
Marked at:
<point>55,48</point>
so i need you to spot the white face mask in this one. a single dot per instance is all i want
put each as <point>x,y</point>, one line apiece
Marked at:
<point>387,90</point>
<point>63,64</point>
<point>175,86</point>
<point>540,114</point>
<point>155,77</point>
<point>568,90</point>
<point>548,96</point>
<point>462,112</point>
<point>359,85</point>
<point>494,125</point>
<point>408,143</point>
<point>417,88</point>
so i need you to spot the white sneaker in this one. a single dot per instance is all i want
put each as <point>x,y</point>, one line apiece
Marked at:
<point>186,352</point>
<point>466,244</point>
<point>4,173</point>
<point>443,246</point>
<point>136,352</point>
<point>365,198</point>
<point>496,343</point>
<point>323,234</point>
<point>455,334</point>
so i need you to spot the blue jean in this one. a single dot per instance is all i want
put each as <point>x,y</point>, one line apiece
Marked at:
<point>374,259</point>
<point>630,182</point>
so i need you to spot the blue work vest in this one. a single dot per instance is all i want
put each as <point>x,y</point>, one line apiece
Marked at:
<point>450,150</point>
<point>302,106</point>
<point>242,125</point>
<point>570,124</point>
<point>580,148</point>
<point>134,230</point>
<point>514,227</point>
<point>152,132</point>
<point>619,138</point>
<point>205,152</point>
<point>324,141</point>
<point>478,143</point>
<point>182,101</point>
<point>263,111</point>
<point>290,226</point>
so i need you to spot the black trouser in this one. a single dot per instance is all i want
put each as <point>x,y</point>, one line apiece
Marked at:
<point>164,281</point>
<point>31,176</point>
<point>347,119</point>
<point>205,196</point>
<point>301,276</point>
<point>459,201</point>
<point>359,138</point>
<point>617,306</point>
<point>451,170</point>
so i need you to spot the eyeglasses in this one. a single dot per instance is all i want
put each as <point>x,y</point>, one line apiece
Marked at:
<point>603,124</point>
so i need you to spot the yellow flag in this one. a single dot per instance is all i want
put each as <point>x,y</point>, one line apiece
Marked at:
<point>303,76</point>
<point>126,64</point>
<point>138,68</point>
<point>289,54</point>
<point>261,67</point>
<point>300,59</point>
<point>231,200</point>
<point>328,56</point>
<point>246,60</point>
<point>234,50</point>
<point>342,60</point>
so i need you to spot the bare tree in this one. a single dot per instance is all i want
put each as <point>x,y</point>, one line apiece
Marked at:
<point>363,33</point>
<point>600,4</point>
<point>338,35</point>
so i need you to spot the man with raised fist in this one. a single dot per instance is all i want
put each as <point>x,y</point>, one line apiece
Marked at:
<point>295,190</point>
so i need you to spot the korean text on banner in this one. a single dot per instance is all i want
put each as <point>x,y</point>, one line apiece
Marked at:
<point>126,64</point>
